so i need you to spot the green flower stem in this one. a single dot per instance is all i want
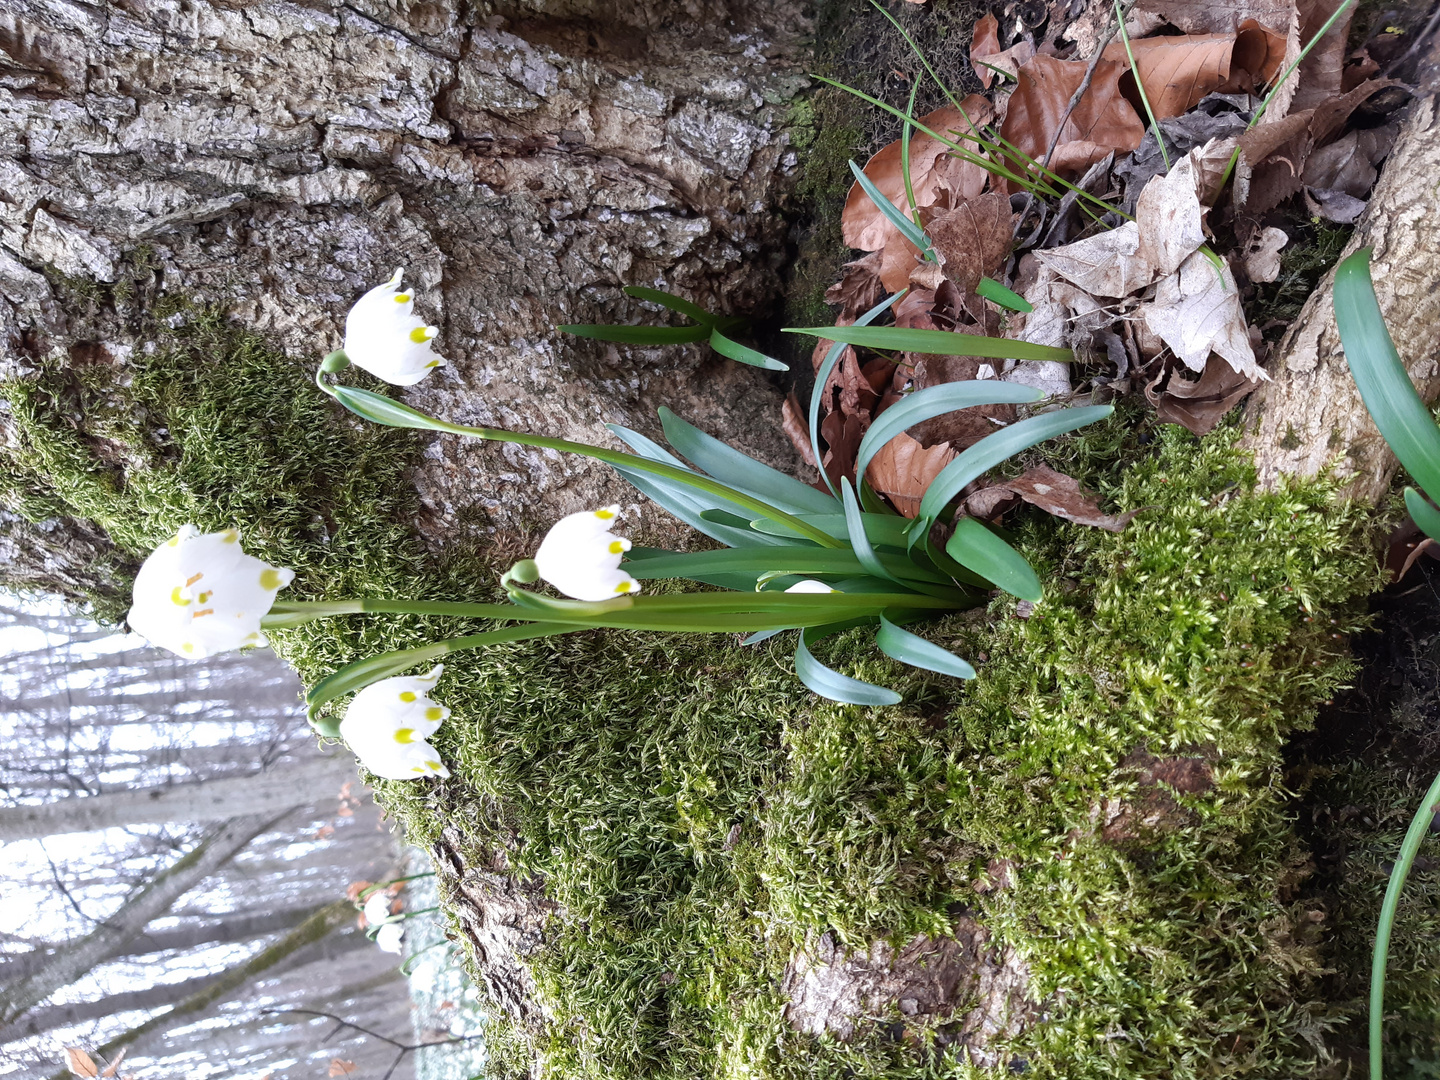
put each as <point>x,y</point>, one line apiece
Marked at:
<point>1408,850</point>
<point>404,416</point>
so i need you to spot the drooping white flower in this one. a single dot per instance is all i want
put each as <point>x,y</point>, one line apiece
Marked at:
<point>383,336</point>
<point>200,594</point>
<point>388,723</point>
<point>377,908</point>
<point>389,936</point>
<point>810,585</point>
<point>580,556</point>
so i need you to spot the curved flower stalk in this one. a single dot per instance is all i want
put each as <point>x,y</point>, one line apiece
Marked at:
<point>797,558</point>
<point>383,336</point>
<point>198,594</point>
<point>389,723</point>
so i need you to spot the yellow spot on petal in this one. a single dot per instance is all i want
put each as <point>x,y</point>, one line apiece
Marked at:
<point>270,578</point>
<point>192,579</point>
<point>624,586</point>
<point>435,765</point>
<point>174,541</point>
<point>401,298</point>
<point>433,363</point>
<point>204,597</point>
<point>617,547</point>
<point>229,536</point>
<point>404,735</point>
<point>188,647</point>
<point>422,334</point>
<point>434,712</point>
<point>176,598</point>
<point>604,515</point>
<point>407,696</point>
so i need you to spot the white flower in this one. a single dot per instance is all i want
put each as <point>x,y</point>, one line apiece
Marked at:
<point>377,908</point>
<point>198,595</point>
<point>386,339</point>
<point>810,585</point>
<point>389,936</point>
<point>581,557</point>
<point>388,723</point>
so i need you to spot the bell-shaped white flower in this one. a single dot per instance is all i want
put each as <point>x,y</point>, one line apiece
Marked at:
<point>810,585</point>
<point>389,936</point>
<point>580,556</point>
<point>200,594</point>
<point>383,336</point>
<point>388,723</point>
<point>377,908</point>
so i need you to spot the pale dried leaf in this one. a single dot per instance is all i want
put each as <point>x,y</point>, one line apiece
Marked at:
<point>1262,254</point>
<point>1336,206</point>
<point>341,1067</point>
<point>1208,17</point>
<point>1168,219</point>
<point>793,423</point>
<point>1106,264</point>
<point>80,1063</point>
<point>1061,495</point>
<point>1196,311</point>
<point>114,1067</point>
<point>903,469</point>
<point>1210,163</point>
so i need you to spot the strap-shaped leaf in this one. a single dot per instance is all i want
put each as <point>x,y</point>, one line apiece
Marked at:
<point>935,342</point>
<point>937,401</point>
<point>884,529</point>
<point>859,541</point>
<point>1422,513</point>
<point>380,409</point>
<point>743,353</point>
<point>908,228</point>
<point>1385,386</point>
<point>976,547</point>
<point>914,650</point>
<point>991,451</point>
<point>677,304</point>
<point>789,559</point>
<point>829,683</point>
<point>822,380</point>
<point>637,335</point>
<point>730,466</point>
<point>999,294</point>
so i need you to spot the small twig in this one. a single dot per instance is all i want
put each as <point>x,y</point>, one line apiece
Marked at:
<point>341,1023</point>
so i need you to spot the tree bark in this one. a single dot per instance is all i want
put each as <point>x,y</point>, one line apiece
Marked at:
<point>146,903</point>
<point>1311,415</point>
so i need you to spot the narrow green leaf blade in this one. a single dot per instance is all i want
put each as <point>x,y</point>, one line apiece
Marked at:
<point>1422,513</point>
<point>999,294</point>
<point>638,335</point>
<point>380,409</point>
<point>829,683</point>
<point>822,380</point>
<point>743,353</point>
<point>936,401</point>
<point>992,450</point>
<point>936,342</point>
<point>976,547</point>
<point>914,650</point>
<point>730,466</point>
<point>859,541</point>
<point>677,304</point>
<point>1384,384</point>
<point>908,228</point>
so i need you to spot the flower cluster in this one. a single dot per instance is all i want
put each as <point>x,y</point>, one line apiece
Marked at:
<point>388,929</point>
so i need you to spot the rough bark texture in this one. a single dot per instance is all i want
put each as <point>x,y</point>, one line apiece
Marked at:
<point>522,160</point>
<point>1311,416</point>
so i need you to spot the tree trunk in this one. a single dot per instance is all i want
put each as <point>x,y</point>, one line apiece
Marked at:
<point>279,160</point>
<point>146,903</point>
<point>1311,415</point>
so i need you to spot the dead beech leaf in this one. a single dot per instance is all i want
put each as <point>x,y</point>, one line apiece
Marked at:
<point>1336,206</point>
<point>1274,156</point>
<point>1102,121</point>
<point>903,469</point>
<point>1322,71</point>
<point>984,43</point>
<point>1208,17</point>
<point>842,433</point>
<point>341,1067</point>
<point>1197,404</point>
<point>1177,71</point>
<point>1106,264</point>
<point>859,288</point>
<point>1262,254</point>
<point>792,422</point>
<point>973,239</point>
<point>1196,311</point>
<point>1258,57</point>
<point>898,260</point>
<point>861,222</point>
<point>80,1063</point>
<point>1168,218</point>
<point>1061,495</point>
<point>114,1067</point>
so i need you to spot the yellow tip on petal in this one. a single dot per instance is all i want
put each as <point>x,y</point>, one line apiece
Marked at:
<point>407,696</point>
<point>617,547</point>
<point>422,334</point>
<point>270,578</point>
<point>404,735</point>
<point>604,515</point>
<point>402,297</point>
<point>434,712</point>
<point>188,646</point>
<point>229,536</point>
<point>624,586</point>
<point>433,363</point>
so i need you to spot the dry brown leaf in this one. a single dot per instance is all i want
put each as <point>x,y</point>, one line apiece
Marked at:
<point>1102,121</point>
<point>898,261</point>
<point>984,43</point>
<point>114,1067</point>
<point>1342,166</point>
<point>80,1063</point>
<point>973,240</point>
<point>1177,71</point>
<point>1332,114</point>
<point>859,288</point>
<point>1208,17</point>
<point>1258,57</point>
<point>1062,496</point>
<point>1106,264</point>
<point>1274,156</point>
<point>1321,73</point>
<point>1196,311</point>
<point>1211,162</point>
<point>1168,218</point>
<point>960,428</point>
<point>341,1067</point>
<point>842,434</point>
<point>1262,254</point>
<point>1198,404</point>
<point>861,222</point>
<point>793,423</point>
<point>902,470</point>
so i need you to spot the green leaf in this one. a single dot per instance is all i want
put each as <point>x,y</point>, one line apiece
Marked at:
<point>999,294</point>
<point>385,410</point>
<point>790,559</point>
<point>1385,385</point>
<point>677,304</point>
<point>859,541</point>
<point>991,451</point>
<point>1422,513</point>
<point>914,650</point>
<point>936,401</point>
<point>908,228</point>
<point>743,353</point>
<point>829,683</point>
<point>822,379</point>
<point>730,466</point>
<point>936,342</point>
<point>638,335</point>
<point>976,547</point>
<point>884,529</point>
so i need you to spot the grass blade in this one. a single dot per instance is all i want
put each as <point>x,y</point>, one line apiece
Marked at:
<point>677,304</point>
<point>935,342</point>
<point>1385,386</point>
<point>914,650</point>
<point>908,228</point>
<point>822,379</point>
<point>936,401</point>
<point>743,353</point>
<point>829,683</point>
<point>999,294</point>
<point>976,547</point>
<point>638,335</point>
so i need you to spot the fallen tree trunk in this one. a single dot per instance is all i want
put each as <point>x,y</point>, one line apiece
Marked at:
<point>1311,416</point>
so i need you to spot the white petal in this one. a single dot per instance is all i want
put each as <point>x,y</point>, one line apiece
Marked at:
<point>581,557</point>
<point>387,725</point>
<point>377,908</point>
<point>389,937</point>
<point>383,336</point>
<point>810,586</point>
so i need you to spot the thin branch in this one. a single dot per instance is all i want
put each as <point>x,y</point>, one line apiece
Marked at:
<point>402,1048</point>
